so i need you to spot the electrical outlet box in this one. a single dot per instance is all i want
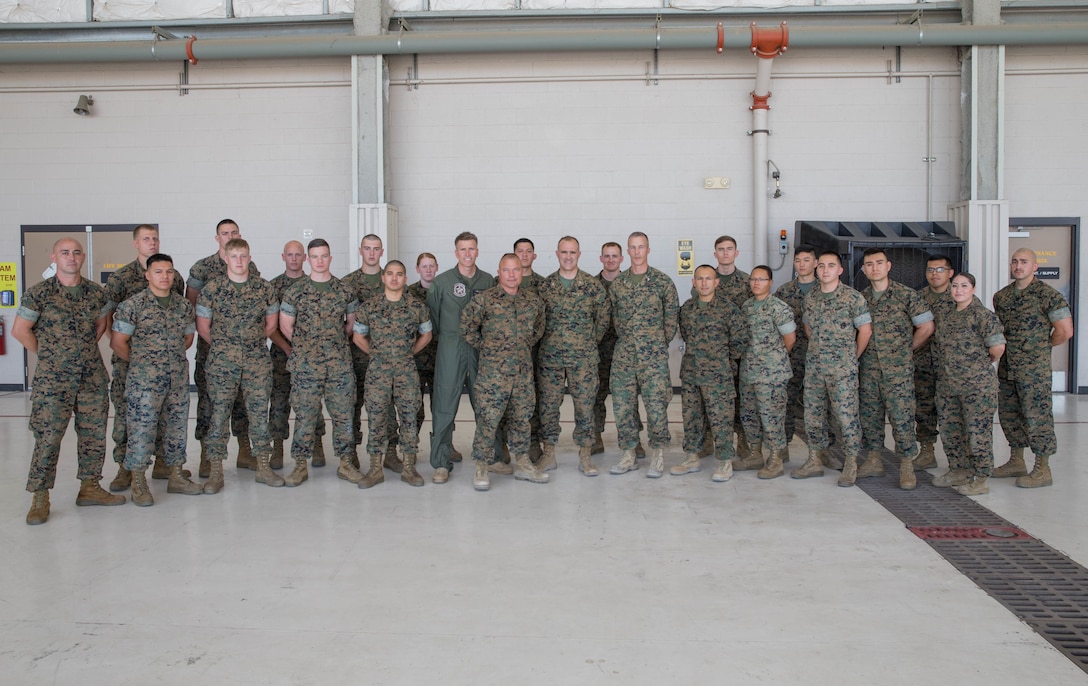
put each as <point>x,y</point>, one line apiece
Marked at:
<point>716,183</point>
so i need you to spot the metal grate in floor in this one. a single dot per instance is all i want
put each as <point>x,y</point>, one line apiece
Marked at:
<point>1040,585</point>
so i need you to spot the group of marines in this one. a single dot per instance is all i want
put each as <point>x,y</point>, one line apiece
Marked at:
<point>816,358</point>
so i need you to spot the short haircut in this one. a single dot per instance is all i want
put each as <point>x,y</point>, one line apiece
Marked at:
<point>611,244</point>
<point>805,248</point>
<point>236,244</point>
<point>713,269</point>
<point>763,268</point>
<point>942,258</point>
<point>525,240</point>
<point>569,238</point>
<point>967,275</point>
<point>317,243</point>
<point>159,257</point>
<point>834,254</point>
<point>424,256</point>
<point>723,239</point>
<point>390,263</point>
<point>638,234</point>
<point>466,236</point>
<point>509,256</point>
<point>143,227</point>
<point>370,237</point>
<point>874,251</point>
<point>224,221</point>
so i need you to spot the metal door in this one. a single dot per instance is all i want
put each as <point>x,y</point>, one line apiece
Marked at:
<point>108,247</point>
<point>1054,242</point>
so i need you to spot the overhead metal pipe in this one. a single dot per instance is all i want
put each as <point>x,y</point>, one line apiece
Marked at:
<point>532,40</point>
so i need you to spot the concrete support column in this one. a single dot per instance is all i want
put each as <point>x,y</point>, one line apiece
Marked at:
<point>369,76</point>
<point>982,215</point>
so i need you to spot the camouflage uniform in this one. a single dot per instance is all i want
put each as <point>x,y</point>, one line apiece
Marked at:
<point>576,318</point>
<point>886,368</point>
<point>531,286</point>
<point>157,389</point>
<point>503,328</point>
<point>393,328</point>
<point>735,288</point>
<point>200,275</point>
<point>237,359</point>
<point>831,368</point>
<point>69,377</point>
<point>765,370</point>
<point>793,294</point>
<point>424,358</point>
<point>1025,405</point>
<point>320,363</point>
<point>122,285</point>
<point>968,386</point>
<point>644,310</point>
<point>279,404</point>
<point>605,350</point>
<point>365,287</point>
<point>456,362</point>
<point>925,369</point>
<point>714,335</point>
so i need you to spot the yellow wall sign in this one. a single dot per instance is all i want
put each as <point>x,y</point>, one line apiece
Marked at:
<point>685,257</point>
<point>9,279</point>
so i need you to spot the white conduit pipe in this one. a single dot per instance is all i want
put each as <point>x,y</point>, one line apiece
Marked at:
<point>760,94</point>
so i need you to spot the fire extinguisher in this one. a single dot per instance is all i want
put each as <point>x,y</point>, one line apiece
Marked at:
<point>3,338</point>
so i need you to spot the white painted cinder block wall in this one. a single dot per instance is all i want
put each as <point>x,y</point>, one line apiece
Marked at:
<point>544,154</point>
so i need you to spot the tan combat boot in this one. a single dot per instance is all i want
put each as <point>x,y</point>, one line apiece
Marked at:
<point>205,468</point>
<point>657,464</point>
<point>299,474</point>
<point>907,480</point>
<point>585,461</point>
<point>926,459</point>
<point>373,477</point>
<point>141,494</point>
<point>828,459</point>
<point>455,454</point>
<point>318,457</point>
<point>1040,476</point>
<point>535,452</point>
<point>547,458</point>
<point>525,470</point>
<point>812,467</point>
<point>691,464</point>
<point>708,446</point>
<point>392,460</point>
<point>953,477</point>
<point>744,449</point>
<point>440,476</point>
<point>39,508</point>
<point>1014,467</point>
<point>872,466</point>
<point>976,485</point>
<point>162,471</point>
<point>501,468</point>
<point>773,468</point>
<point>640,451</point>
<point>754,459</point>
<point>245,453</point>
<point>409,475</point>
<point>724,472</point>
<point>598,445</point>
<point>122,481</point>
<point>784,454</point>
<point>264,474</point>
<point>91,493</point>
<point>628,462</point>
<point>849,471</point>
<point>214,484</point>
<point>482,480</point>
<point>276,461</point>
<point>179,483</point>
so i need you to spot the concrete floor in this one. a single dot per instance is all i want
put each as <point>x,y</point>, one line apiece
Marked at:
<point>614,579</point>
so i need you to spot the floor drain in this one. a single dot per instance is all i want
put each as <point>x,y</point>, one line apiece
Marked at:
<point>1040,585</point>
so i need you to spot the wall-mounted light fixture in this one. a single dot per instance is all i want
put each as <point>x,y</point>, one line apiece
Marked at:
<point>777,176</point>
<point>83,107</point>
